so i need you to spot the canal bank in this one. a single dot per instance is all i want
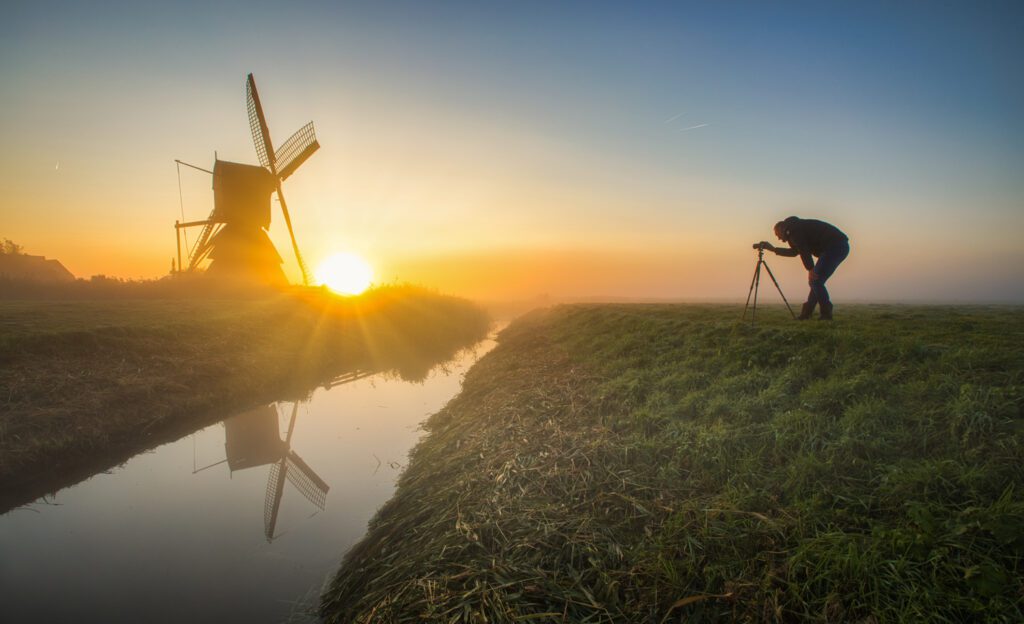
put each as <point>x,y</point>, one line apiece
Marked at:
<point>668,463</point>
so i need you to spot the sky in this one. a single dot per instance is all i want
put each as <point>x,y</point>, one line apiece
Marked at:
<point>505,151</point>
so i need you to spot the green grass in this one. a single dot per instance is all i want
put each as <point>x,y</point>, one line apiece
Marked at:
<point>668,463</point>
<point>86,384</point>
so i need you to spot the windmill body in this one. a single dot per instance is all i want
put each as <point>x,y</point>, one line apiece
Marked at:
<point>253,439</point>
<point>241,248</point>
<point>234,237</point>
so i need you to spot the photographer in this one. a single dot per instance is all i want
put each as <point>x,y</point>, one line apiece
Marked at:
<point>808,238</point>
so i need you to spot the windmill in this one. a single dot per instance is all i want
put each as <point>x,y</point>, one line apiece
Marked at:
<point>253,439</point>
<point>234,236</point>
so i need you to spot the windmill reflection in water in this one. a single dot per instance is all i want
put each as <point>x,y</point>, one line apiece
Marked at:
<point>253,438</point>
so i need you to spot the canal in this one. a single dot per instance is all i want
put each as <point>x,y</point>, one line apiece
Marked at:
<point>244,520</point>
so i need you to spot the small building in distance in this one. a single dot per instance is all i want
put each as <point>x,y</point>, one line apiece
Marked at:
<point>23,267</point>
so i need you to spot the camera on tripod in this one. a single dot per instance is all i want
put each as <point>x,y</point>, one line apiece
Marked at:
<point>755,283</point>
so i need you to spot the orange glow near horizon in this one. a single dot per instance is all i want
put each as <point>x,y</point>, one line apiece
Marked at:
<point>445,160</point>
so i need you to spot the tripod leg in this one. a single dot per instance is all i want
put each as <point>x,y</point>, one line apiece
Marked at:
<point>757,267</point>
<point>779,288</point>
<point>757,286</point>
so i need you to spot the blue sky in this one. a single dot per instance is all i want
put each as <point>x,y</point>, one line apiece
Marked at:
<point>658,138</point>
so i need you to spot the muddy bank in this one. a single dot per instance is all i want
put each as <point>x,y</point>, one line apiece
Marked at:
<point>87,385</point>
<point>667,463</point>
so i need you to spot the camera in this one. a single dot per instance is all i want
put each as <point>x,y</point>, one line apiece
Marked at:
<point>764,245</point>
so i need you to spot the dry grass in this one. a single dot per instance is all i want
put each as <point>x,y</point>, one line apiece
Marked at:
<point>666,463</point>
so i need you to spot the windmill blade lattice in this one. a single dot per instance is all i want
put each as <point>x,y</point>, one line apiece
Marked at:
<point>272,500</point>
<point>296,150</point>
<point>292,469</point>
<point>300,146</point>
<point>307,482</point>
<point>258,125</point>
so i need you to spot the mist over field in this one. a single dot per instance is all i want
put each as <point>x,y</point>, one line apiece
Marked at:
<point>553,312</point>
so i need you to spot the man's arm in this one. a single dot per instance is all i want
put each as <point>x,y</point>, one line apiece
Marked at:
<point>789,252</point>
<point>808,260</point>
<point>798,244</point>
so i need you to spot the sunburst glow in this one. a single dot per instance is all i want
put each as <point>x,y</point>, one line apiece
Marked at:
<point>345,274</point>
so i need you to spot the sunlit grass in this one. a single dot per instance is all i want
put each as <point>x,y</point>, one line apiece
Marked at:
<point>670,464</point>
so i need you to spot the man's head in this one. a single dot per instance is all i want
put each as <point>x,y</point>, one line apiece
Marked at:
<point>782,228</point>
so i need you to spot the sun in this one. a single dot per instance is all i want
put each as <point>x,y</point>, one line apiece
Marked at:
<point>345,274</point>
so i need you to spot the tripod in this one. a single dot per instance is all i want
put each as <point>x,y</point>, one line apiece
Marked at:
<point>755,283</point>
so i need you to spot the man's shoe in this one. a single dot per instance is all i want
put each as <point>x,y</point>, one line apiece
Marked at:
<point>806,311</point>
<point>826,312</point>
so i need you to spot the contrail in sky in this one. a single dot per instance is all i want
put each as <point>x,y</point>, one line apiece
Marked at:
<point>674,117</point>
<point>704,125</point>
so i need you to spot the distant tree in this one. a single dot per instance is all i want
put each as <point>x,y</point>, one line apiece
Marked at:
<point>9,247</point>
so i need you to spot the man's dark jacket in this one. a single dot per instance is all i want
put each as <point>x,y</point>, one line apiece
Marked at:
<point>809,237</point>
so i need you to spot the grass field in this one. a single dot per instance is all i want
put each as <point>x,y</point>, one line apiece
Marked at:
<point>667,463</point>
<point>86,384</point>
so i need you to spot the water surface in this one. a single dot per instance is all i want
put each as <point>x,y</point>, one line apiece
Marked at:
<point>239,521</point>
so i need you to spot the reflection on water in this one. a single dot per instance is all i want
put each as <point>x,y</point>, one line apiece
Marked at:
<point>400,337</point>
<point>243,520</point>
<point>251,439</point>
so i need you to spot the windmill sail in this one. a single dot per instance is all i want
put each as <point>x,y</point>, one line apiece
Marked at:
<point>272,501</point>
<point>258,125</point>
<point>265,152</point>
<point>292,469</point>
<point>296,150</point>
<point>307,482</point>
